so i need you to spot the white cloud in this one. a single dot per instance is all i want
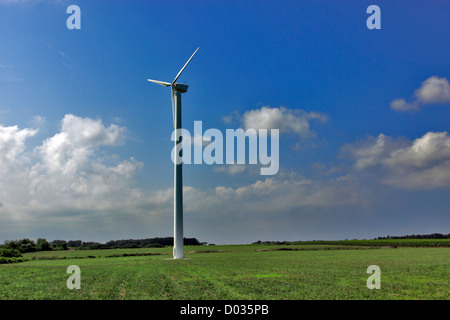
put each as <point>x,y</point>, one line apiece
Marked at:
<point>200,141</point>
<point>67,172</point>
<point>229,119</point>
<point>281,194</point>
<point>433,90</point>
<point>369,152</point>
<point>12,146</point>
<point>14,161</point>
<point>294,121</point>
<point>428,150</point>
<point>402,105</point>
<point>284,119</point>
<point>38,121</point>
<point>70,149</point>
<point>423,163</point>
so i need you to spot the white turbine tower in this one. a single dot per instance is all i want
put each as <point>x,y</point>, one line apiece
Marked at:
<point>177,89</point>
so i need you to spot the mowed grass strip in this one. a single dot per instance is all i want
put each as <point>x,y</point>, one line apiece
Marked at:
<point>232,272</point>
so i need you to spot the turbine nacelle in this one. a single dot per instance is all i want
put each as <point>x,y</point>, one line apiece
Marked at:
<point>182,87</point>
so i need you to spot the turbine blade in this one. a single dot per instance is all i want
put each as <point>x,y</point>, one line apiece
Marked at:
<point>182,69</point>
<point>165,84</point>
<point>173,108</point>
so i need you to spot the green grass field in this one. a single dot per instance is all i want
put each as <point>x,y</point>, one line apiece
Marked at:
<point>296,271</point>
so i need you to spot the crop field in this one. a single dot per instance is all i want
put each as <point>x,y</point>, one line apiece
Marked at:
<point>233,272</point>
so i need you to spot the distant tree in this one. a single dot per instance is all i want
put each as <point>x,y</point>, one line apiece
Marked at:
<point>418,236</point>
<point>59,245</point>
<point>23,245</point>
<point>191,242</point>
<point>149,242</point>
<point>27,245</point>
<point>74,243</point>
<point>92,246</point>
<point>10,253</point>
<point>42,245</point>
<point>11,244</point>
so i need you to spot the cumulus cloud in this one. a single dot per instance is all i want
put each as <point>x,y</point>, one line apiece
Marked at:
<point>401,105</point>
<point>71,148</point>
<point>293,121</point>
<point>65,172</point>
<point>273,197</point>
<point>425,163</point>
<point>369,152</point>
<point>12,144</point>
<point>283,204</point>
<point>69,163</point>
<point>13,163</point>
<point>434,90</point>
<point>422,163</point>
<point>284,119</point>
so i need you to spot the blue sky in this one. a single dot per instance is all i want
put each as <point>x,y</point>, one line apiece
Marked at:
<point>85,139</point>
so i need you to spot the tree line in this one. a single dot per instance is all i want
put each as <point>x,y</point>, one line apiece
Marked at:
<point>15,247</point>
<point>131,243</point>
<point>418,236</point>
<point>27,245</point>
<point>412,236</point>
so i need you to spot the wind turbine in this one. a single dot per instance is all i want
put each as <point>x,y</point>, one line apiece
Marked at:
<point>176,90</point>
